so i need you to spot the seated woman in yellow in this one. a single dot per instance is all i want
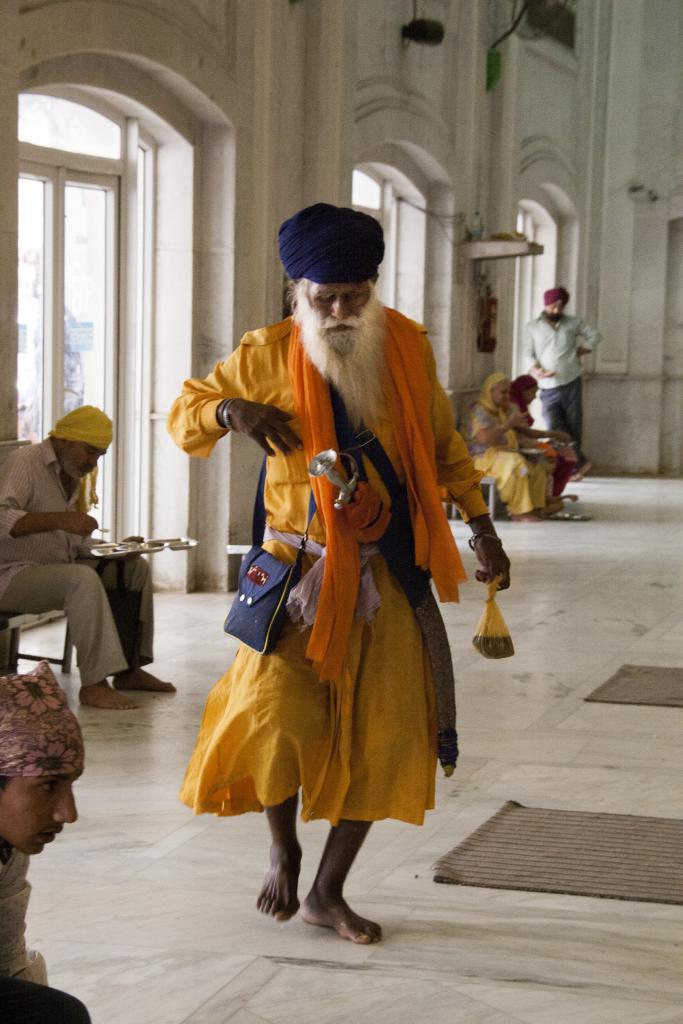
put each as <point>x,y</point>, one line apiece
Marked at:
<point>493,444</point>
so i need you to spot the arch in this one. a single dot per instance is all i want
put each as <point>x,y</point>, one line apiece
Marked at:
<point>193,277</point>
<point>188,55</point>
<point>402,212</point>
<point>136,87</point>
<point>413,143</point>
<point>548,214</point>
<point>548,177</point>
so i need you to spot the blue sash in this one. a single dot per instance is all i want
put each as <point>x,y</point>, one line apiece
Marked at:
<point>398,542</point>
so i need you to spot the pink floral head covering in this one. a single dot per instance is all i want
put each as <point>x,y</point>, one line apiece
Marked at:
<point>39,735</point>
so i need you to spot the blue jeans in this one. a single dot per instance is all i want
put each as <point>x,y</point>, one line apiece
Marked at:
<point>562,410</point>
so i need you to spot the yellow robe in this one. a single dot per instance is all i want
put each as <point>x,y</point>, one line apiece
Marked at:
<point>365,750</point>
<point>521,482</point>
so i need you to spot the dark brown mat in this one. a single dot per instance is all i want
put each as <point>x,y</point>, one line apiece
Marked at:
<point>618,856</point>
<point>642,684</point>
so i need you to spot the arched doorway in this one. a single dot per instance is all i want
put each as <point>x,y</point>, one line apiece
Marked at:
<point>89,185</point>
<point>385,193</point>
<point>549,219</point>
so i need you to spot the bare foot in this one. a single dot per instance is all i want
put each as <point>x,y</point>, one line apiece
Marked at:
<point>278,897</point>
<point>138,679</point>
<point>337,914</point>
<point>100,695</point>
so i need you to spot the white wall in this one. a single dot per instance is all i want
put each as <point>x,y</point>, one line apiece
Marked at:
<point>277,102</point>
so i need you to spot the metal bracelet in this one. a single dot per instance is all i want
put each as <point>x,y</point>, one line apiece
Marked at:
<point>223,413</point>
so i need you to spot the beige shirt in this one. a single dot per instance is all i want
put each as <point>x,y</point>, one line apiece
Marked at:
<point>16,961</point>
<point>31,484</point>
<point>14,894</point>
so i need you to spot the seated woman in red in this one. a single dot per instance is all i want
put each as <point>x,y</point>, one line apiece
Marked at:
<point>523,390</point>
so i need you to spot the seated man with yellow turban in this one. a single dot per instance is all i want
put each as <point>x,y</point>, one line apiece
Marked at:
<point>45,527</point>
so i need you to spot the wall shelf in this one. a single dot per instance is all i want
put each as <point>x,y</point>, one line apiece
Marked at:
<point>498,249</point>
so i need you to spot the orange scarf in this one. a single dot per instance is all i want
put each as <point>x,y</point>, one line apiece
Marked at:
<point>408,397</point>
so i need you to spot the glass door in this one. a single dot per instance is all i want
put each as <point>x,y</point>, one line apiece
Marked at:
<point>89,313</point>
<point>31,308</point>
<point>85,291</point>
<point>67,288</point>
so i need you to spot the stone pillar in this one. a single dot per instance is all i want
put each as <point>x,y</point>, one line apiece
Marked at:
<point>8,253</point>
<point>331,29</point>
<point>9,88</point>
<point>626,401</point>
<point>438,314</point>
<point>210,487</point>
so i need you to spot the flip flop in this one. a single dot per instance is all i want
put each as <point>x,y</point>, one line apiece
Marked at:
<point>577,517</point>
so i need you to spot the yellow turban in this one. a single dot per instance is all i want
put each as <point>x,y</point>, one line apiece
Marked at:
<point>88,425</point>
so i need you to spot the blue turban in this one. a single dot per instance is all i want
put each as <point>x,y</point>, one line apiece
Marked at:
<point>331,245</point>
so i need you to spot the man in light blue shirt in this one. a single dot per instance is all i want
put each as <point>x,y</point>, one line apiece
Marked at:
<point>552,349</point>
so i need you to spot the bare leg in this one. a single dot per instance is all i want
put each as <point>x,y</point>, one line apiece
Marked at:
<point>325,904</point>
<point>278,897</point>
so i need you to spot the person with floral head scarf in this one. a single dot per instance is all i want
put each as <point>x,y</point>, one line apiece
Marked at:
<point>41,756</point>
<point>493,443</point>
<point>46,497</point>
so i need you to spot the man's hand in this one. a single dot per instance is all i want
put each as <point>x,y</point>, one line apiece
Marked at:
<point>488,548</point>
<point>581,351</point>
<point>541,373</point>
<point>262,423</point>
<point>79,523</point>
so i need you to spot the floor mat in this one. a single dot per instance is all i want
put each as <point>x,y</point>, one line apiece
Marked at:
<point>642,684</point>
<point>617,856</point>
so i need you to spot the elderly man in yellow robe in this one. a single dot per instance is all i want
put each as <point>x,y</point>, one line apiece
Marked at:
<point>342,711</point>
<point>46,495</point>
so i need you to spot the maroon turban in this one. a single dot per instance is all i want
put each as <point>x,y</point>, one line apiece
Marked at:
<point>518,387</point>
<point>554,295</point>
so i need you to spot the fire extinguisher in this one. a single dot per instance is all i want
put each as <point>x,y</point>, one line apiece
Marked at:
<point>488,322</point>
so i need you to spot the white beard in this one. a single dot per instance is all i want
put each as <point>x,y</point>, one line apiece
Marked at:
<point>351,360</point>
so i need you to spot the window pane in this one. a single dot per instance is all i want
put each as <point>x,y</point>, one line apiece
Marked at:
<point>366,191</point>
<point>138,467</point>
<point>84,296</point>
<point>60,124</point>
<point>31,309</point>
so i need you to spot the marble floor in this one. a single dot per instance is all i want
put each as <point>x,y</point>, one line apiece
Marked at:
<point>147,914</point>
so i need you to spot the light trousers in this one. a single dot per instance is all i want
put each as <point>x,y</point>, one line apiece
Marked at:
<point>79,591</point>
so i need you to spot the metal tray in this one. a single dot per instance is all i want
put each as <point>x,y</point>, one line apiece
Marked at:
<point>145,547</point>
